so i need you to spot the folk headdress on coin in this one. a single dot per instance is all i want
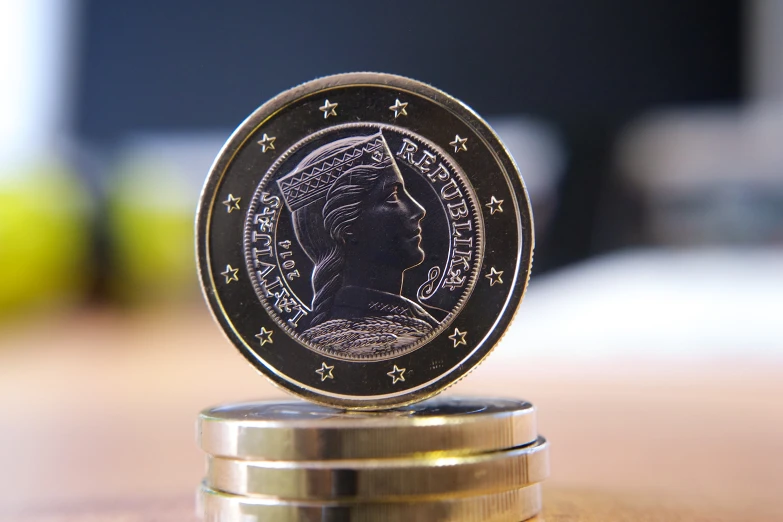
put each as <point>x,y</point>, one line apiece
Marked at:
<point>312,181</point>
<point>360,227</point>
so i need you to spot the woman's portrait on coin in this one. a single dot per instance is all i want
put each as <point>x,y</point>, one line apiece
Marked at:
<point>360,243</point>
<point>359,226</point>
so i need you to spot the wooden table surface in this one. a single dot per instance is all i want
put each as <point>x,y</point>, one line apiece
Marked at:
<point>98,414</point>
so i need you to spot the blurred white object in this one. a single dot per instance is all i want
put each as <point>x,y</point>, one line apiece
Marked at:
<point>538,151</point>
<point>764,47</point>
<point>652,305</point>
<point>36,60</point>
<point>709,176</point>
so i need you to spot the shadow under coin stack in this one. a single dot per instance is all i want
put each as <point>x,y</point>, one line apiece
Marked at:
<point>455,459</point>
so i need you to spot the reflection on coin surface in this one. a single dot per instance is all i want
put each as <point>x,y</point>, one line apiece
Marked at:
<point>519,504</point>
<point>364,240</point>
<point>300,431</point>
<point>383,479</point>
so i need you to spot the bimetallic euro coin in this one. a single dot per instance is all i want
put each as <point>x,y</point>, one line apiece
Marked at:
<point>513,505</point>
<point>383,479</point>
<point>301,431</point>
<point>364,240</point>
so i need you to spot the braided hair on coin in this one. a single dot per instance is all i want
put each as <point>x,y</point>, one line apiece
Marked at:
<point>323,231</point>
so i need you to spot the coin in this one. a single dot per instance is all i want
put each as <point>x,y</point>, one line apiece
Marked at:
<point>364,240</point>
<point>296,430</point>
<point>520,504</point>
<point>383,479</point>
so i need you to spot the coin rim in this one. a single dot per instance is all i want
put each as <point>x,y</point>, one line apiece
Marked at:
<point>525,502</point>
<point>231,438</point>
<point>517,191</point>
<point>503,470</point>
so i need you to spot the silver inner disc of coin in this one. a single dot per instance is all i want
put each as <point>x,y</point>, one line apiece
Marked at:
<point>363,241</point>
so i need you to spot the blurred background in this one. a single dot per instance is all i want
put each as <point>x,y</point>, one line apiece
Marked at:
<point>650,135</point>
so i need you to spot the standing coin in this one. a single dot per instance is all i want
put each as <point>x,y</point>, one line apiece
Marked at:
<point>364,240</point>
<point>300,431</point>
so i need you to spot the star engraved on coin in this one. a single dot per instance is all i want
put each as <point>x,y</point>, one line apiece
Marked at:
<point>397,374</point>
<point>232,203</point>
<point>494,205</point>
<point>231,274</point>
<point>458,337</point>
<point>329,109</point>
<point>265,336</point>
<point>325,371</point>
<point>459,143</point>
<point>494,276</point>
<point>267,143</point>
<point>399,108</point>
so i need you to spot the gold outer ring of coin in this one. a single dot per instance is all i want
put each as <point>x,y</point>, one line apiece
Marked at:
<point>383,479</point>
<point>516,505</point>
<point>233,431</point>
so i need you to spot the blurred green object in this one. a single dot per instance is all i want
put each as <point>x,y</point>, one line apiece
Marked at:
<point>151,208</point>
<point>44,237</point>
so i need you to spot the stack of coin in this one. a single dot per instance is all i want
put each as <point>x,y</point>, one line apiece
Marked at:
<point>456,459</point>
<point>365,240</point>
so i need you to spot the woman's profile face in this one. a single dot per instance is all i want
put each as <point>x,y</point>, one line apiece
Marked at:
<point>388,231</point>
